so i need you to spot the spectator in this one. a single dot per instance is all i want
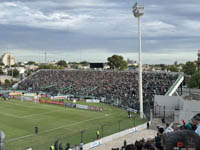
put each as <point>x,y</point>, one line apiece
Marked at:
<point>76,147</point>
<point>56,144</point>
<point>148,146</point>
<point>160,130</point>
<point>196,121</point>
<point>139,145</point>
<point>168,128</point>
<point>181,139</point>
<point>163,120</point>
<point>67,146</point>
<point>147,125</point>
<point>113,85</point>
<point>158,144</point>
<point>190,125</point>
<point>60,146</point>
<point>131,147</point>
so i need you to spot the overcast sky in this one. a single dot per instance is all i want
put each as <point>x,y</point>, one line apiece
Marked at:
<point>92,30</point>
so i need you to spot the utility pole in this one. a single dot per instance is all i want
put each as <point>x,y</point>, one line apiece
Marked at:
<point>45,57</point>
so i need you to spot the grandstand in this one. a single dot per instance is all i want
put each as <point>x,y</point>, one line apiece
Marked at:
<point>116,87</point>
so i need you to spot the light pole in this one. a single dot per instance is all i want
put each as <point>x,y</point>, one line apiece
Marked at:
<point>138,11</point>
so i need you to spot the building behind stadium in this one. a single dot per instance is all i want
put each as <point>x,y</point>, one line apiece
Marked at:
<point>7,59</point>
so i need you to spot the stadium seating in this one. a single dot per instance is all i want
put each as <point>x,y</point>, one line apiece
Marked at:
<point>113,85</point>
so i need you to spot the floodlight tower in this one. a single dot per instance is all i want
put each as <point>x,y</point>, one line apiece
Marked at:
<point>138,11</point>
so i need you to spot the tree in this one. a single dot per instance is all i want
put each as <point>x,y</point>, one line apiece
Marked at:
<point>15,65</point>
<point>173,68</point>
<point>194,82</point>
<point>74,66</point>
<point>49,67</point>
<point>84,63</point>
<point>189,68</point>
<point>117,62</point>
<point>13,72</point>
<point>29,72</point>
<point>1,71</point>
<point>62,63</point>
<point>7,83</point>
<point>31,63</point>
<point>163,66</point>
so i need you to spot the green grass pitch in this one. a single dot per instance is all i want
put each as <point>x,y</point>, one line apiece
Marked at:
<point>18,119</point>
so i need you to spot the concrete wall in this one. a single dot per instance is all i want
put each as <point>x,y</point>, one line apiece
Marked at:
<point>183,109</point>
<point>190,108</point>
<point>170,102</point>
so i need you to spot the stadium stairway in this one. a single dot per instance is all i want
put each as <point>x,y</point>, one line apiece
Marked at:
<point>175,86</point>
<point>16,85</point>
<point>156,122</point>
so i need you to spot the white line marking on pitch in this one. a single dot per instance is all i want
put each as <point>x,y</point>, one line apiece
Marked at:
<point>22,137</point>
<point>10,115</point>
<point>40,114</point>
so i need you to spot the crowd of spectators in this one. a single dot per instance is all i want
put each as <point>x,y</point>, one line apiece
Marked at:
<point>187,137</point>
<point>113,85</point>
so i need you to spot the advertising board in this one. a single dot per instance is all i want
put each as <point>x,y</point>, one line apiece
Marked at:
<point>51,102</point>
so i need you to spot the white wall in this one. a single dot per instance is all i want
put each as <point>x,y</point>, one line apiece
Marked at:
<point>170,102</point>
<point>4,77</point>
<point>190,108</point>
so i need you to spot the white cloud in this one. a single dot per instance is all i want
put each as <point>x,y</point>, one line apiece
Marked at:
<point>20,14</point>
<point>191,24</point>
<point>10,4</point>
<point>158,25</point>
<point>100,24</point>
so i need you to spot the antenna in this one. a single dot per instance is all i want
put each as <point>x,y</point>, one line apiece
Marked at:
<point>45,57</point>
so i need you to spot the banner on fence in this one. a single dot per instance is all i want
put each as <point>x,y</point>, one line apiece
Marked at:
<point>92,101</point>
<point>26,98</point>
<point>95,144</point>
<point>58,97</point>
<point>51,102</point>
<point>15,97</point>
<point>95,108</point>
<point>81,106</point>
<point>30,94</point>
<point>132,130</point>
<point>70,105</point>
<point>15,93</point>
<point>44,95</point>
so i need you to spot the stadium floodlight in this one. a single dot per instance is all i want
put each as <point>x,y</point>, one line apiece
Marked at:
<point>138,11</point>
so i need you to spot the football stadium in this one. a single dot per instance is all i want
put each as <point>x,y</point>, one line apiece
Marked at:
<point>72,75</point>
<point>71,106</point>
